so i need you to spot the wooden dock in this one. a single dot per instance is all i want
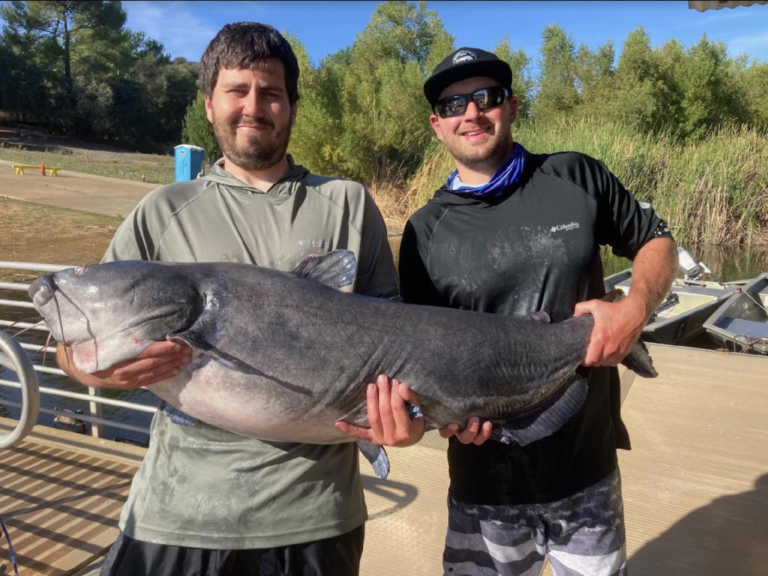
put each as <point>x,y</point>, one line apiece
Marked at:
<point>695,483</point>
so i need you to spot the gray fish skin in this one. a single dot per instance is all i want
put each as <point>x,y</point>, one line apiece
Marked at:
<point>282,358</point>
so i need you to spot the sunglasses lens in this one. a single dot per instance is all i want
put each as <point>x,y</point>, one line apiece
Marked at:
<point>489,97</point>
<point>452,106</point>
<point>482,98</point>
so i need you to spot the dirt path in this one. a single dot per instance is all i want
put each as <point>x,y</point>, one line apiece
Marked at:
<point>74,190</point>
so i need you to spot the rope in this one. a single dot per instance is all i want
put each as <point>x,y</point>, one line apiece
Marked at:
<point>10,548</point>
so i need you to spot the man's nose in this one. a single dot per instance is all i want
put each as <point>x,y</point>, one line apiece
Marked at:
<point>251,104</point>
<point>472,111</point>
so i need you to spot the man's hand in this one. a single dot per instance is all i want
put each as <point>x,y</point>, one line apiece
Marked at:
<point>160,361</point>
<point>390,422</point>
<point>617,326</point>
<point>472,434</point>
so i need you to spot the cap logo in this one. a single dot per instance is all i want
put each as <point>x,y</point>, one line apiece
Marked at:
<point>464,56</point>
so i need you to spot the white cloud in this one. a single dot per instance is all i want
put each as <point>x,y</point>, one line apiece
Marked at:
<point>754,45</point>
<point>181,32</point>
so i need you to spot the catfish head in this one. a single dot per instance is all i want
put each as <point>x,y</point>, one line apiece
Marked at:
<point>112,312</point>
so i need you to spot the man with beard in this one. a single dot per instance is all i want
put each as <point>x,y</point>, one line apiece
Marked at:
<point>518,233</point>
<point>205,501</point>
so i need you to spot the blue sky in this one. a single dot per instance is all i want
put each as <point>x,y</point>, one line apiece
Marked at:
<point>185,28</point>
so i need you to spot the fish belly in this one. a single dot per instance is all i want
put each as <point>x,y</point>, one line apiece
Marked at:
<point>246,405</point>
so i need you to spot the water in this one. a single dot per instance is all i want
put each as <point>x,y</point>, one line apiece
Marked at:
<point>728,263</point>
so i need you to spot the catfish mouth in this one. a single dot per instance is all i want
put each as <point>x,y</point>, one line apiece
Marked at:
<point>102,334</point>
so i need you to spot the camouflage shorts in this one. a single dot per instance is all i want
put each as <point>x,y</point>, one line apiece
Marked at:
<point>583,535</point>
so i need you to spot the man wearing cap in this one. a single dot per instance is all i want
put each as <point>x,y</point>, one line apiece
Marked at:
<point>512,232</point>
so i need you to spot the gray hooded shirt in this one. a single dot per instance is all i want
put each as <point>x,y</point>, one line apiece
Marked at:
<point>201,486</point>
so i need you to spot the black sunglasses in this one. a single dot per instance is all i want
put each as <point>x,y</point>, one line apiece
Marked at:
<point>484,98</point>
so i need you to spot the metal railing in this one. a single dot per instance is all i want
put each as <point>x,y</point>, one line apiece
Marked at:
<point>93,397</point>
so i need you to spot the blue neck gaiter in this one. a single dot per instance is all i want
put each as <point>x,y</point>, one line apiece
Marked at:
<point>507,175</point>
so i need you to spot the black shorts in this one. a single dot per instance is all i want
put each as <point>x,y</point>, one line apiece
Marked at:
<point>338,556</point>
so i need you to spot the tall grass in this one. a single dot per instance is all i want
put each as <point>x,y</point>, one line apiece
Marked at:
<point>713,190</point>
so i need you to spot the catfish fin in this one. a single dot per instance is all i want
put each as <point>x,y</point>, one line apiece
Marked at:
<point>177,416</point>
<point>543,421</point>
<point>197,342</point>
<point>336,269</point>
<point>541,316</point>
<point>377,456</point>
<point>639,360</point>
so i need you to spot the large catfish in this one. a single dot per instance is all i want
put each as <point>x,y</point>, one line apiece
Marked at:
<point>283,356</point>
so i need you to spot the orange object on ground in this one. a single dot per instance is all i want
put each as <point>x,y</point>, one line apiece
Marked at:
<point>42,169</point>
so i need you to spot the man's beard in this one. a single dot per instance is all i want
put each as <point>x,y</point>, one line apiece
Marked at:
<point>261,152</point>
<point>476,159</point>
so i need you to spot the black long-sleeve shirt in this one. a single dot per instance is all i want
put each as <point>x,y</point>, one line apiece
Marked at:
<point>534,247</point>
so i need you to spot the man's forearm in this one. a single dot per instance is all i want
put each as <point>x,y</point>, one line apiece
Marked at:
<point>654,269</point>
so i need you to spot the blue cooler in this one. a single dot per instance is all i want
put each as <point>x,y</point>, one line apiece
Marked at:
<point>189,162</point>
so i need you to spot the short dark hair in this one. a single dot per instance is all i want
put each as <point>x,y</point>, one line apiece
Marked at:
<point>247,45</point>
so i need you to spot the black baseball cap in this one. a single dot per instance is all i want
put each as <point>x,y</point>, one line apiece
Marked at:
<point>466,63</point>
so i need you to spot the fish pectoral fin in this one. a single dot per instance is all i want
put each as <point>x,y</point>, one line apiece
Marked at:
<point>544,420</point>
<point>541,316</point>
<point>336,269</point>
<point>199,343</point>
<point>377,456</point>
<point>177,416</point>
<point>195,341</point>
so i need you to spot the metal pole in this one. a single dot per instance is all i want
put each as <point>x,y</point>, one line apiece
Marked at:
<point>97,430</point>
<point>14,358</point>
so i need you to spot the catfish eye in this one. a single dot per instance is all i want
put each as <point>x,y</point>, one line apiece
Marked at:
<point>79,270</point>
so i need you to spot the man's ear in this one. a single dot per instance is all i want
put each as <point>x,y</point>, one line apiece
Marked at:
<point>435,123</point>
<point>294,112</point>
<point>513,105</point>
<point>208,108</point>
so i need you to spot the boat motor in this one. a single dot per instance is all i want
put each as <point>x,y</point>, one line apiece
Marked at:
<point>688,265</point>
<point>692,270</point>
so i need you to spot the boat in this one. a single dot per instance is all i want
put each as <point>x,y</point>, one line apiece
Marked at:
<point>680,318</point>
<point>740,324</point>
<point>690,302</point>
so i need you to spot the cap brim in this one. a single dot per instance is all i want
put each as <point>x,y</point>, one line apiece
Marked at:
<point>496,69</point>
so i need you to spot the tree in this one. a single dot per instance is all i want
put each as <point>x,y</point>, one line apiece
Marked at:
<point>711,93</point>
<point>317,134</point>
<point>754,81</point>
<point>23,87</point>
<point>522,82</point>
<point>557,92</point>
<point>595,80</point>
<point>197,130</point>
<point>385,128</point>
<point>648,95</point>
<point>61,22</point>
